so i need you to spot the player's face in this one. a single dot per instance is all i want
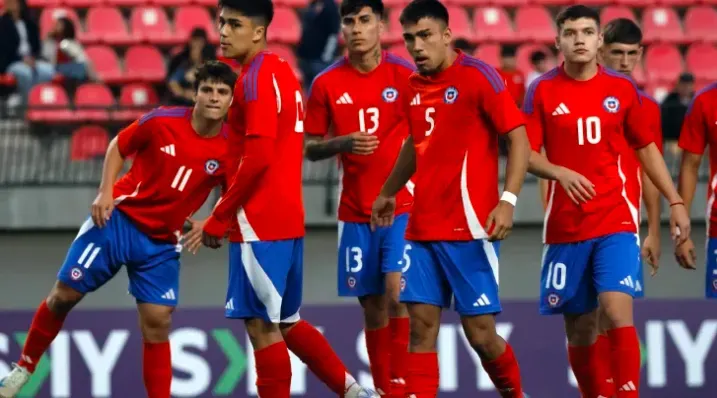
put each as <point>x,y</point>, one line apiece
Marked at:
<point>579,40</point>
<point>428,42</point>
<point>621,57</point>
<point>362,30</point>
<point>238,34</point>
<point>212,100</point>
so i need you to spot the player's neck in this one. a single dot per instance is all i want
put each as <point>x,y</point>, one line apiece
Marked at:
<point>204,127</point>
<point>251,54</point>
<point>581,72</point>
<point>450,60</point>
<point>366,62</point>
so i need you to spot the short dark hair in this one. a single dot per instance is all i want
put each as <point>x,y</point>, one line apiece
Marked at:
<point>419,9</point>
<point>576,12</point>
<point>622,30</point>
<point>349,7</point>
<point>508,51</point>
<point>215,72</point>
<point>260,9</point>
<point>537,56</point>
<point>68,28</point>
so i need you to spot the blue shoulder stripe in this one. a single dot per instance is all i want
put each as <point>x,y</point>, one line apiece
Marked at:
<point>529,102</point>
<point>488,71</point>
<point>709,88</point>
<point>619,75</point>
<point>647,96</point>
<point>163,112</point>
<point>251,79</point>
<point>341,62</point>
<point>396,60</point>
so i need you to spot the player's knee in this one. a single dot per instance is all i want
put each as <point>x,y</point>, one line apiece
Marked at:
<point>617,309</point>
<point>581,329</point>
<point>375,311</point>
<point>62,298</point>
<point>156,321</point>
<point>262,333</point>
<point>425,325</point>
<point>393,298</point>
<point>481,333</point>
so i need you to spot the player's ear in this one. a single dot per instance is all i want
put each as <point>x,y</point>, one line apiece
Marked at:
<point>640,51</point>
<point>448,36</point>
<point>259,33</point>
<point>601,39</point>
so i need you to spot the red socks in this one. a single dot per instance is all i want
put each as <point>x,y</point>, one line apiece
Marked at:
<point>43,330</point>
<point>157,369</point>
<point>314,350</point>
<point>505,374</point>
<point>378,345</point>
<point>273,371</point>
<point>602,348</point>
<point>625,356</point>
<point>423,375</point>
<point>400,329</point>
<point>589,369</point>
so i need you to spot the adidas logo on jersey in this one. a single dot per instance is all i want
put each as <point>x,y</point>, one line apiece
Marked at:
<point>561,110</point>
<point>230,305</point>
<point>628,282</point>
<point>169,295</point>
<point>345,99</point>
<point>482,301</point>
<point>629,386</point>
<point>169,150</point>
<point>416,100</point>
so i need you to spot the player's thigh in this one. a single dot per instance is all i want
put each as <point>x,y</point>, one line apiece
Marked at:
<point>566,279</point>
<point>423,281</point>
<point>616,263</point>
<point>89,263</point>
<point>258,279</point>
<point>711,269</point>
<point>471,269</point>
<point>359,272</point>
<point>154,272</point>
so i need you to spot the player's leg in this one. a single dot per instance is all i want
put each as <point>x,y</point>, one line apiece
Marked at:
<point>304,340</point>
<point>359,275</point>
<point>87,266</point>
<point>711,269</point>
<point>426,292</point>
<point>616,262</point>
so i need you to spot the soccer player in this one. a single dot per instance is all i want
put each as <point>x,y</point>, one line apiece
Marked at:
<point>265,200</point>
<point>699,130</point>
<point>582,114</point>
<point>180,155</point>
<point>458,106</point>
<point>360,98</point>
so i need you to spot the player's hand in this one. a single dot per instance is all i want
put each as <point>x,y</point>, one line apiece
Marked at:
<point>679,224</point>
<point>213,231</point>
<point>577,186</point>
<point>651,252</point>
<point>210,241</point>
<point>500,221</point>
<point>382,212</point>
<point>685,255</point>
<point>360,143</point>
<point>102,207</point>
<point>192,240</point>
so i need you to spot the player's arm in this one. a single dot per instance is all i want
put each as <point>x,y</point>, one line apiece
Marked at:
<point>402,171</point>
<point>651,248</point>
<point>693,141</point>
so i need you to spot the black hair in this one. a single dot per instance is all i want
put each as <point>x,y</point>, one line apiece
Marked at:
<point>508,51</point>
<point>537,56</point>
<point>216,72</point>
<point>622,30</point>
<point>68,28</point>
<point>349,7</point>
<point>419,9</point>
<point>198,33</point>
<point>463,45</point>
<point>575,12</point>
<point>258,9</point>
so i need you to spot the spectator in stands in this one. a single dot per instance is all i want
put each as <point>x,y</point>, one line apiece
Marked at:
<point>198,42</point>
<point>514,78</point>
<point>540,63</point>
<point>675,106</point>
<point>463,45</point>
<point>181,81</point>
<point>319,38</point>
<point>20,48</point>
<point>67,54</point>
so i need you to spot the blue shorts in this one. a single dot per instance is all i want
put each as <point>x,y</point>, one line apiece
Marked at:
<point>365,256</point>
<point>711,269</point>
<point>640,281</point>
<point>97,254</point>
<point>465,271</point>
<point>573,274</point>
<point>266,280</point>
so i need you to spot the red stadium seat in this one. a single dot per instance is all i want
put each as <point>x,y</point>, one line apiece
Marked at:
<point>523,56</point>
<point>661,24</point>
<point>286,53</point>
<point>128,3</point>
<point>663,63</point>
<point>638,74</point>
<point>395,3</point>
<point>636,3</point>
<point>171,3</point>
<point>286,27</point>
<point>394,32</point>
<point>50,15</point>
<point>534,24</point>
<point>493,24</point>
<point>460,23</point>
<point>92,102</point>
<point>151,25</point>
<point>553,2</point>
<point>82,3</point>
<point>43,3</point>
<point>88,143</point>
<point>144,64</point>
<point>701,59</point>
<point>135,100</point>
<point>49,103</point>
<point>489,53</point>
<point>701,24</point>
<point>190,17</point>
<point>295,3</point>
<point>658,91</point>
<point>614,12</point>
<point>205,3</point>
<point>676,3</point>
<point>106,25</point>
<point>400,50</point>
<point>105,63</point>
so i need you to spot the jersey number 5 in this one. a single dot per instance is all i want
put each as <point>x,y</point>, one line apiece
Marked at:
<point>372,114</point>
<point>590,129</point>
<point>430,120</point>
<point>299,126</point>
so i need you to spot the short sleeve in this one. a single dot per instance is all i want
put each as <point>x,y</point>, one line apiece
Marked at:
<point>496,102</point>
<point>639,129</point>
<point>262,95</point>
<point>693,134</point>
<point>318,114</point>
<point>656,119</point>
<point>133,138</point>
<point>533,118</point>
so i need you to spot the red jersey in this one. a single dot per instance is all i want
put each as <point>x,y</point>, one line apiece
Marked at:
<point>268,103</point>
<point>515,82</point>
<point>455,118</point>
<point>583,126</point>
<point>347,101</point>
<point>699,130</point>
<point>173,172</point>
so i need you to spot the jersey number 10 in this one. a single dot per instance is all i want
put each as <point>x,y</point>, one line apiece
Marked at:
<point>590,129</point>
